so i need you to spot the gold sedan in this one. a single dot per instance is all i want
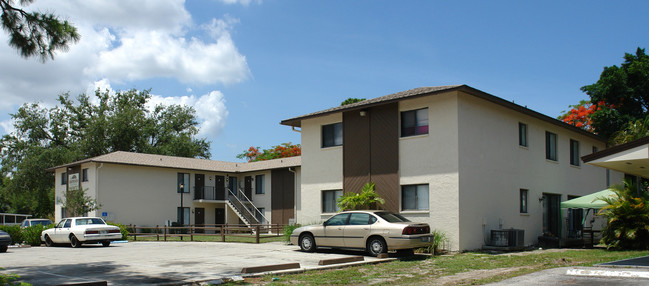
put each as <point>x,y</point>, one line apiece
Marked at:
<point>374,231</point>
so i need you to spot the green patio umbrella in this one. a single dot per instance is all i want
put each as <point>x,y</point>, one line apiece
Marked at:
<point>592,201</point>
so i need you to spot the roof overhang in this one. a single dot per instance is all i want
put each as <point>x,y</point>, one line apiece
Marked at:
<point>630,158</point>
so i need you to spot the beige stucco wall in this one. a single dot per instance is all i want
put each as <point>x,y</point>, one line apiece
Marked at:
<point>493,168</point>
<point>433,159</point>
<point>323,169</point>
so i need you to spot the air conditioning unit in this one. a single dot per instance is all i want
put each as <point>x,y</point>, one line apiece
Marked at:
<point>508,237</point>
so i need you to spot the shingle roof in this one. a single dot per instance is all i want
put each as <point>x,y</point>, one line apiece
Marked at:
<point>432,90</point>
<point>162,161</point>
<point>370,102</point>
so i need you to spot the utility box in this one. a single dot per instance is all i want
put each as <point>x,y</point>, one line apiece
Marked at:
<point>508,237</point>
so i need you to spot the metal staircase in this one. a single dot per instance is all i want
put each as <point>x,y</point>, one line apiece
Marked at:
<point>244,208</point>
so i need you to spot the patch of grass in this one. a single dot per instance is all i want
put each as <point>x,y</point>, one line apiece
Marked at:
<point>467,268</point>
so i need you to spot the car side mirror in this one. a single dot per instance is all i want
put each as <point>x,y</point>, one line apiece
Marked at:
<point>326,223</point>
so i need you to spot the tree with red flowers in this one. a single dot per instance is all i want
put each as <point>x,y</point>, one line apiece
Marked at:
<point>284,150</point>
<point>580,114</point>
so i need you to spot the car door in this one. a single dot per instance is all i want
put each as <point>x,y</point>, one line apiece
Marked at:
<point>63,232</point>
<point>55,232</point>
<point>358,229</point>
<point>332,233</point>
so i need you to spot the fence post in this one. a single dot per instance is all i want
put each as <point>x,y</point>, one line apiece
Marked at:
<point>257,230</point>
<point>165,232</point>
<point>134,232</point>
<point>222,234</point>
<point>191,232</point>
<point>157,233</point>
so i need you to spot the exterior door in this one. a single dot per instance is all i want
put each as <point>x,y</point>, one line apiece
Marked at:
<point>199,191</point>
<point>219,182</point>
<point>199,218</point>
<point>551,214</point>
<point>219,216</point>
<point>248,187</point>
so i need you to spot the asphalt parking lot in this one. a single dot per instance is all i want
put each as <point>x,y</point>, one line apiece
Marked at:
<point>155,262</point>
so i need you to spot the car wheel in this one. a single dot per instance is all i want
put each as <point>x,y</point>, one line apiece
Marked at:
<point>48,241</point>
<point>74,241</point>
<point>307,243</point>
<point>105,243</point>
<point>376,246</point>
<point>3,248</point>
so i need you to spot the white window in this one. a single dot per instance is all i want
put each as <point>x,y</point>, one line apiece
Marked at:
<point>523,201</point>
<point>522,134</point>
<point>183,215</point>
<point>414,197</point>
<point>329,199</point>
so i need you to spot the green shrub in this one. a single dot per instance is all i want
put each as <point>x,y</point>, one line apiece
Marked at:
<point>122,228</point>
<point>32,234</point>
<point>440,241</point>
<point>14,232</point>
<point>288,230</point>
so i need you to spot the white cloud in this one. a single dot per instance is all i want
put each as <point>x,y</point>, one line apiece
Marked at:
<point>211,111</point>
<point>121,42</point>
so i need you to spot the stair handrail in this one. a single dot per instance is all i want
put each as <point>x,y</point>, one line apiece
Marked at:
<point>253,205</point>
<point>239,201</point>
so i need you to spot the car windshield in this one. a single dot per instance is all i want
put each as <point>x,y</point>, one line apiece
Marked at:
<point>86,221</point>
<point>43,222</point>
<point>391,217</point>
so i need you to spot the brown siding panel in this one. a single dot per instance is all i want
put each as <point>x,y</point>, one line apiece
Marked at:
<point>282,197</point>
<point>356,151</point>
<point>371,152</point>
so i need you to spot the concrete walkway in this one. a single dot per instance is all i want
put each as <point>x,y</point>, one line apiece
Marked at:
<point>137,263</point>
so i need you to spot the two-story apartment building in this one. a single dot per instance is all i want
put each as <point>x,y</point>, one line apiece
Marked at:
<point>462,160</point>
<point>149,190</point>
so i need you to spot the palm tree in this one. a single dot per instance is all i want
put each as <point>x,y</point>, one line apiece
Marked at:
<point>628,217</point>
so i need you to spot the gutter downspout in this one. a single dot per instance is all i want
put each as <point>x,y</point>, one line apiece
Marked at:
<point>97,182</point>
<point>294,191</point>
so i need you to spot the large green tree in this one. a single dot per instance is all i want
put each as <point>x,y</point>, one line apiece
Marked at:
<point>623,92</point>
<point>34,33</point>
<point>76,129</point>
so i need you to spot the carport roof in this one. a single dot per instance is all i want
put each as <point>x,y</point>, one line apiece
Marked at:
<point>162,161</point>
<point>631,158</point>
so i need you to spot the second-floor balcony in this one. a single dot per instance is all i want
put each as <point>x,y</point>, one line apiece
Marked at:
<point>209,193</point>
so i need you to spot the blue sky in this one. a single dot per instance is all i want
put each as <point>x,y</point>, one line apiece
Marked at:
<point>246,65</point>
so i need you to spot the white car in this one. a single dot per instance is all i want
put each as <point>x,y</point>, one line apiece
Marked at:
<point>79,230</point>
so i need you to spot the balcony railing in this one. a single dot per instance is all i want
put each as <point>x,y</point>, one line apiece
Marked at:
<point>209,193</point>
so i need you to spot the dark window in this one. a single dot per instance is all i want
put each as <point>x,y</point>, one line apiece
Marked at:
<point>84,175</point>
<point>359,219</point>
<point>574,152</point>
<point>183,215</point>
<point>340,219</point>
<point>259,184</point>
<point>64,178</point>
<point>183,183</point>
<point>550,146</point>
<point>414,197</point>
<point>594,149</point>
<point>522,134</point>
<point>414,122</point>
<point>68,223</point>
<point>523,201</point>
<point>332,135</point>
<point>329,199</point>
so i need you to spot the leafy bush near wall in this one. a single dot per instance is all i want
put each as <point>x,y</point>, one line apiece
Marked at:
<point>288,230</point>
<point>14,232</point>
<point>122,228</point>
<point>440,241</point>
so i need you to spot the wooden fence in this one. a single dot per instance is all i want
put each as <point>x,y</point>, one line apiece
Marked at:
<point>258,232</point>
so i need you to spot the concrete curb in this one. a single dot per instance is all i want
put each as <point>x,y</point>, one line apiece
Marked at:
<point>267,268</point>
<point>341,260</point>
<point>333,266</point>
<point>608,273</point>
